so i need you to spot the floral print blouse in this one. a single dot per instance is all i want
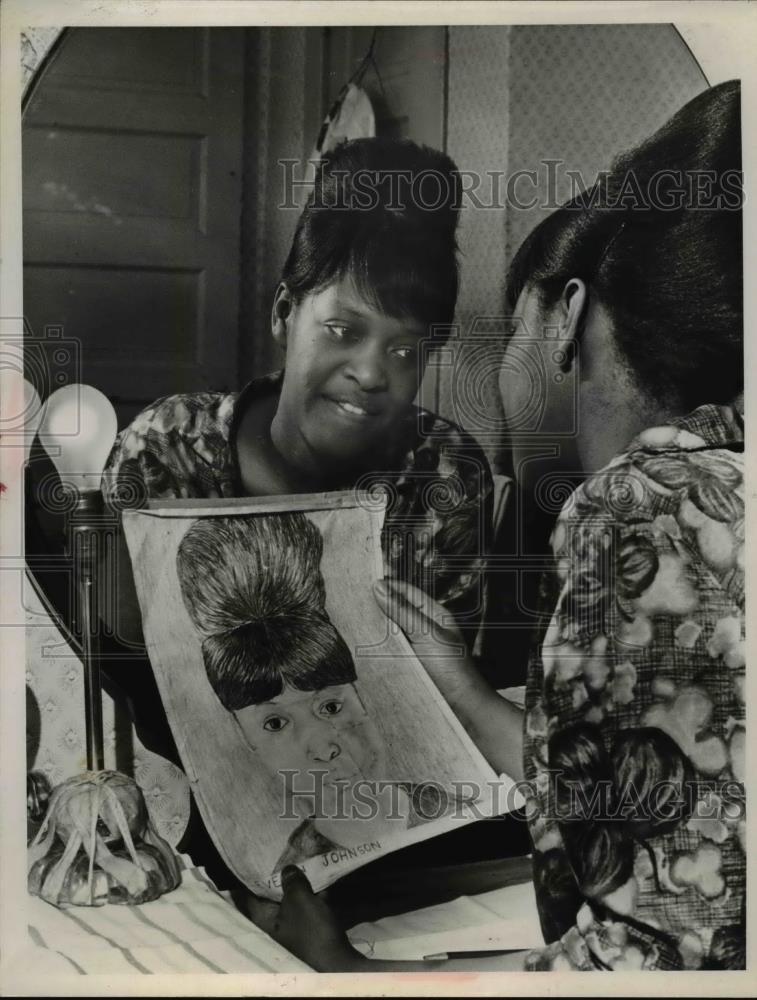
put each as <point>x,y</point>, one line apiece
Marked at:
<point>634,730</point>
<point>437,526</point>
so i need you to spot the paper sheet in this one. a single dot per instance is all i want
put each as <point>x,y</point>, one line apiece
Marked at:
<point>503,918</point>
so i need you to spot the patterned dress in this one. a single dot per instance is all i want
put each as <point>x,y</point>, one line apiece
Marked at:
<point>635,723</point>
<point>436,531</point>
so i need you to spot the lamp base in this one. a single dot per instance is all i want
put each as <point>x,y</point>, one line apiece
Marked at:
<point>125,861</point>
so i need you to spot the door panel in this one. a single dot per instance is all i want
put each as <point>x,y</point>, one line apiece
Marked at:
<point>132,148</point>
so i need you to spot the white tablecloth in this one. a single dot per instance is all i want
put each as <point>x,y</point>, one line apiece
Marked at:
<point>195,929</point>
<point>192,929</point>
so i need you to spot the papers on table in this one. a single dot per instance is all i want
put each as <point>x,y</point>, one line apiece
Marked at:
<point>504,918</point>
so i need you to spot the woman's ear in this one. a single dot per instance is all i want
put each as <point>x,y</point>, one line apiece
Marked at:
<point>280,313</point>
<point>573,302</point>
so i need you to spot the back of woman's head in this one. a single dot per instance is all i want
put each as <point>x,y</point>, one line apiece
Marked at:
<point>383,212</point>
<point>658,242</point>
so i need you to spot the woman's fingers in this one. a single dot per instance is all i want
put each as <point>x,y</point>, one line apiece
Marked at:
<point>420,617</point>
<point>412,609</point>
<point>296,886</point>
<point>401,610</point>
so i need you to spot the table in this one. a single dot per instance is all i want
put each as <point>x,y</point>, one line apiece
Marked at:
<point>196,929</point>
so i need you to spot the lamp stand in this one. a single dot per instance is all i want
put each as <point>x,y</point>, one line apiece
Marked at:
<point>84,548</point>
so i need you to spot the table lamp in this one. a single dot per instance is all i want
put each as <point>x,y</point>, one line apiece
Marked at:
<point>96,843</point>
<point>77,430</point>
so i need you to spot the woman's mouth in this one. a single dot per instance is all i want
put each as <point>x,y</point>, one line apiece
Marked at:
<point>353,410</point>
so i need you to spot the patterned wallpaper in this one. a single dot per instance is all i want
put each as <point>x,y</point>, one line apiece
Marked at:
<point>55,738</point>
<point>478,139</point>
<point>582,94</point>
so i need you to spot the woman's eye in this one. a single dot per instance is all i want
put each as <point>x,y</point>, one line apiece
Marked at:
<point>340,331</point>
<point>274,724</point>
<point>404,353</point>
<point>331,707</point>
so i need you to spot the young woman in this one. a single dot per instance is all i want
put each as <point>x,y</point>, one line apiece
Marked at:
<point>633,736</point>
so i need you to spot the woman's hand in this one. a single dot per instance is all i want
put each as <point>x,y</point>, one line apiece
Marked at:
<point>494,724</point>
<point>436,642</point>
<point>305,925</point>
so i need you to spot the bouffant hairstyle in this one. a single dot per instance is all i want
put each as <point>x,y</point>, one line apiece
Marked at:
<point>254,591</point>
<point>383,212</point>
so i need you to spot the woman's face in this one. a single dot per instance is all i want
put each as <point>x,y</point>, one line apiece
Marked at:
<point>351,375</point>
<point>327,731</point>
<point>539,398</point>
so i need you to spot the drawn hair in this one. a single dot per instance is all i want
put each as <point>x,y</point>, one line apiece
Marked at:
<point>395,240</point>
<point>254,591</point>
<point>661,255</point>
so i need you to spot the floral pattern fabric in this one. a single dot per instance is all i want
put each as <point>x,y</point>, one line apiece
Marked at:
<point>436,530</point>
<point>634,730</point>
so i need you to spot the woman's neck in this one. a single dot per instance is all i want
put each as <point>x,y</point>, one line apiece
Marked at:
<point>611,425</point>
<point>307,470</point>
<point>613,407</point>
<point>266,469</point>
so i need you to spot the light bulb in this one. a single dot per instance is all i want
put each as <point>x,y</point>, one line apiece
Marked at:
<point>77,431</point>
<point>33,413</point>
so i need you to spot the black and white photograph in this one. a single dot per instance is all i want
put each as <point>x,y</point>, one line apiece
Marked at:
<point>372,497</point>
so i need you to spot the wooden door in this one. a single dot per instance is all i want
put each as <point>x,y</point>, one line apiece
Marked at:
<point>132,147</point>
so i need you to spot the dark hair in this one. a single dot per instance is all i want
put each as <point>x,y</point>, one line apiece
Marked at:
<point>661,253</point>
<point>384,213</point>
<point>254,591</point>
<point>609,800</point>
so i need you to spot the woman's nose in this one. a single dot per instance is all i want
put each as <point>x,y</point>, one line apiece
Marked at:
<point>366,366</point>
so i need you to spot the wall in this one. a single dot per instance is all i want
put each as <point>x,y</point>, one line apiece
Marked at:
<point>478,140</point>
<point>580,94</point>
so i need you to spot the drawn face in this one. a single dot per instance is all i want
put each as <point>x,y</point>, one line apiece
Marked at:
<point>327,730</point>
<point>351,375</point>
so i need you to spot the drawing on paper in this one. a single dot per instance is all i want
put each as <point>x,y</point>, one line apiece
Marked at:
<point>310,732</point>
